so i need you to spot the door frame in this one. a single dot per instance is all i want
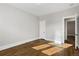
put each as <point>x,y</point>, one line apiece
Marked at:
<point>65,36</point>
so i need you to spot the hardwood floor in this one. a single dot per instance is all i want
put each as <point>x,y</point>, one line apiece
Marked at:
<point>71,40</point>
<point>39,47</point>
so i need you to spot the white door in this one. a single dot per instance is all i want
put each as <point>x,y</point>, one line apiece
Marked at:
<point>42,29</point>
<point>77,32</point>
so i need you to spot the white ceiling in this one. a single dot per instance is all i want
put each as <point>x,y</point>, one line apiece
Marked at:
<point>40,9</point>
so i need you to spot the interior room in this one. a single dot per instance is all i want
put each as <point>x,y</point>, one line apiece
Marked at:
<point>70,30</point>
<point>39,29</point>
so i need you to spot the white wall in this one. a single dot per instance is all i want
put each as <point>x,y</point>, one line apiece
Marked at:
<point>55,24</point>
<point>16,25</point>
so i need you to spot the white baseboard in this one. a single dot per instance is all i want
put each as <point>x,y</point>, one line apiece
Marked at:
<point>15,44</point>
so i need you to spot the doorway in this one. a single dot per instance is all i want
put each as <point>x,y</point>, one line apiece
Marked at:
<point>70,30</point>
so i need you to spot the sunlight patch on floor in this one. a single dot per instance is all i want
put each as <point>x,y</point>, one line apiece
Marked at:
<point>53,48</point>
<point>51,51</point>
<point>41,46</point>
<point>65,45</point>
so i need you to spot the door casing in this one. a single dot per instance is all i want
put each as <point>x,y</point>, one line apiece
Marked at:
<point>65,36</point>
